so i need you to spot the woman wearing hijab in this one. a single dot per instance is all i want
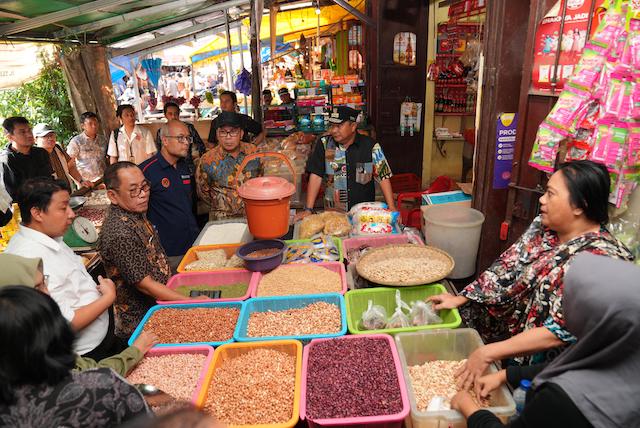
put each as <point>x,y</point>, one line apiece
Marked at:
<point>594,382</point>
<point>16,270</point>
<point>38,386</point>
<point>516,304</point>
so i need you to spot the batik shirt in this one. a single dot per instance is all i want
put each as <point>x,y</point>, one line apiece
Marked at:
<point>349,172</point>
<point>130,249</point>
<point>89,154</point>
<point>523,288</point>
<point>215,178</point>
<point>93,398</point>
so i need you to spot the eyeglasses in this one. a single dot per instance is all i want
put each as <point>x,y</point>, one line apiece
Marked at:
<point>181,138</point>
<point>145,187</point>
<point>223,133</point>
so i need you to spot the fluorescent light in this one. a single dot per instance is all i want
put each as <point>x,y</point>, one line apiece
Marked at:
<point>300,5</point>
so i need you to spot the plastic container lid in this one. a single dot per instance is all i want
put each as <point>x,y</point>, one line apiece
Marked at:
<point>525,384</point>
<point>266,188</point>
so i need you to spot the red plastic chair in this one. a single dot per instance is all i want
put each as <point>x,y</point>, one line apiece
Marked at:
<point>413,217</point>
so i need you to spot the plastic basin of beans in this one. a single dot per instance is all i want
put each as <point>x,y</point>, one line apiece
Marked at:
<point>193,325</point>
<point>352,378</point>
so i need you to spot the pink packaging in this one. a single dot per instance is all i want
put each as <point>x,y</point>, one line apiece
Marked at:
<point>384,421</point>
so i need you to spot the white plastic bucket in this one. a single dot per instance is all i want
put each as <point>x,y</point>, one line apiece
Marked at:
<point>456,230</point>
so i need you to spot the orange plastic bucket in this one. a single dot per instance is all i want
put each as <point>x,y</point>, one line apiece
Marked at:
<point>267,200</point>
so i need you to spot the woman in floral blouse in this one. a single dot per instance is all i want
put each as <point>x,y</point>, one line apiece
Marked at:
<point>517,302</point>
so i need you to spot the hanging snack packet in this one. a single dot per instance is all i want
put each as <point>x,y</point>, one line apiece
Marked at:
<point>399,319</point>
<point>570,108</point>
<point>545,147</point>
<point>422,313</point>
<point>375,317</point>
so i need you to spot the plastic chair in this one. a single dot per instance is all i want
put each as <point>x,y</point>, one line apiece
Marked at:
<point>412,217</point>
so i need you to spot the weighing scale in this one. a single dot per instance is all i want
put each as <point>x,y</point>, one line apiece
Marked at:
<point>81,234</point>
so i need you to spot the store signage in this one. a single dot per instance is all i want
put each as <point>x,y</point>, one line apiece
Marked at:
<point>571,44</point>
<point>505,148</point>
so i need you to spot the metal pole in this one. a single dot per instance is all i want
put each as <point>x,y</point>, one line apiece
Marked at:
<point>137,91</point>
<point>230,66</point>
<point>246,109</point>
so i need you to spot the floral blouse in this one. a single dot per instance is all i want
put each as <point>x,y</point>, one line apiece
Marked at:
<point>92,398</point>
<point>523,288</point>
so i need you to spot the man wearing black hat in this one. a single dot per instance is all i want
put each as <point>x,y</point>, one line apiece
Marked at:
<point>285,96</point>
<point>229,103</point>
<point>267,97</point>
<point>350,162</point>
<point>215,174</point>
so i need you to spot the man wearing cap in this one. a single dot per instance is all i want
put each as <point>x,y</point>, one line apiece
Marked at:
<point>20,160</point>
<point>215,176</point>
<point>267,97</point>
<point>170,202</point>
<point>350,162</point>
<point>229,103</point>
<point>64,168</point>
<point>285,96</point>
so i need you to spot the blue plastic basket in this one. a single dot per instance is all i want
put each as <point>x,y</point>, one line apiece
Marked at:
<point>281,303</point>
<point>238,305</point>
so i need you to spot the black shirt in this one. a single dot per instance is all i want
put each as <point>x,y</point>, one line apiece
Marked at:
<point>547,406</point>
<point>18,168</point>
<point>358,154</point>
<point>249,126</point>
<point>170,203</point>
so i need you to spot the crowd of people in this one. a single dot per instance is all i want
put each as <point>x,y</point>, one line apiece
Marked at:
<point>537,306</point>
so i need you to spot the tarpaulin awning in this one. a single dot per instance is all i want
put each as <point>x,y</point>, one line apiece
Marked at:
<point>20,63</point>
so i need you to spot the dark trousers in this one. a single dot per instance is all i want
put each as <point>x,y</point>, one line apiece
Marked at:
<point>110,345</point>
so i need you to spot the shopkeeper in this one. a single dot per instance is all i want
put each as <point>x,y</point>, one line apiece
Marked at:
<point>350,162</point>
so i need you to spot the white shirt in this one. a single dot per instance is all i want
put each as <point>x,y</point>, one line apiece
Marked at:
<point>137,148</point>
<point>70,285</point>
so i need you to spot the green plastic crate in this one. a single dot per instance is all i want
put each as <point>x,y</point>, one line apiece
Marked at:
<point>336,241</point>
<point>358,300</point>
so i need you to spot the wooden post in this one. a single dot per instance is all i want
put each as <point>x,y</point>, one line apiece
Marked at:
<point>256,65</point>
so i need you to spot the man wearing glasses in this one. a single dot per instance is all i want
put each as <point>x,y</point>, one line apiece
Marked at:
<point>130,248</point>
<point>215,176</point>
<point>170,209</point>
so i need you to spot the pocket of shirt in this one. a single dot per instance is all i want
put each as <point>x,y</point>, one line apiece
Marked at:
<point>364,172</point>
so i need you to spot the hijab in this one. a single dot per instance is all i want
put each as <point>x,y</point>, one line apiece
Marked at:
<point>16,270</point>
<point>601,371</point>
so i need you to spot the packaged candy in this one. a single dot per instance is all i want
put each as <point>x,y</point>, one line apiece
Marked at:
<point>422,313</point>
<point>570,108</point>
<point>375,317</point>
<point>399,319</point>
<point>298,253</point>
<point>375,215</point>
<point>545,147</point>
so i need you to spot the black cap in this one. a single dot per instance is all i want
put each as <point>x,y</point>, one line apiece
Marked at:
<point>229,118</point>
<point>341,114</point>
<point>283,90</point>
<point>266,91</point>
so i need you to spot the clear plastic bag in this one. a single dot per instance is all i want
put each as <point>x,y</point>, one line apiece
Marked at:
<point>399,319</point>
<point>422,313</point>
<point>375,317</point>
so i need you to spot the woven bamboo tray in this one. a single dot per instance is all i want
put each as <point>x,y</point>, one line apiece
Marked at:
<point>419,257</point>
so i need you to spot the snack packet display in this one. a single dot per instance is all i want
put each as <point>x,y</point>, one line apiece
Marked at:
<point>375,317</point>
<point>422,313</point>
<point>545,147</point>
<point>320,249</point>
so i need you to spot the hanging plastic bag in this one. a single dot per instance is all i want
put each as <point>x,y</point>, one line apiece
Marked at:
<point>422,313</point>
<point>399,319</point>
<point>243,82</point>
<point>375,317</point>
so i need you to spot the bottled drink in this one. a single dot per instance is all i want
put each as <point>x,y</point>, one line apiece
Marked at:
<point>520,395</point>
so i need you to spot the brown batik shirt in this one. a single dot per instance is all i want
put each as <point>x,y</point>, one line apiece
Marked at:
<point>131,250</point>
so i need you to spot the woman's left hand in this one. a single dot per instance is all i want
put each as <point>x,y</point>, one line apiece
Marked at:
<point>476,365</point>
<point>463,402</point>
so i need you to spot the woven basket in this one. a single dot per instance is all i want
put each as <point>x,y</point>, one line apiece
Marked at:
<point>421,253</point>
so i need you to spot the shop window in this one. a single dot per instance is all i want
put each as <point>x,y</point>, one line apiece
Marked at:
<point>404,49</point>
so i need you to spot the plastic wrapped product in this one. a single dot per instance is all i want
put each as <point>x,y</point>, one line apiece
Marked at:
<point>374,317</point>
<point>422,313</point>
<point>399,319</point>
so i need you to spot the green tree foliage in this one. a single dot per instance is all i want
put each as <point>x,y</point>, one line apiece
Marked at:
<point>45,99</point>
